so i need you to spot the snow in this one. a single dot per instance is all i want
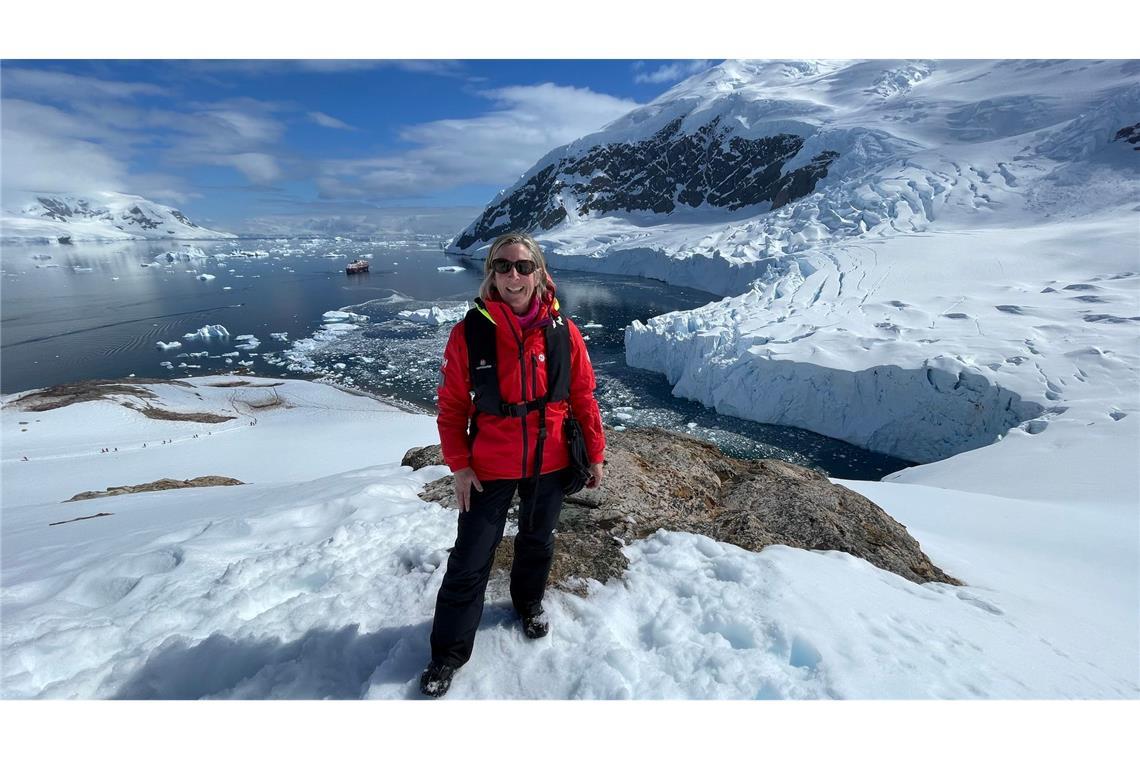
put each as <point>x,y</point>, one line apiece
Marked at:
<point>318,578</point>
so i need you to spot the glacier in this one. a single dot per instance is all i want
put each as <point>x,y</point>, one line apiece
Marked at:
<point>964,276</point>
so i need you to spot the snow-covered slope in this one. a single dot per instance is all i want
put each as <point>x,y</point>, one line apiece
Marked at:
<point>63,217</point>
<point>317,579</point>
<point>962,268</point>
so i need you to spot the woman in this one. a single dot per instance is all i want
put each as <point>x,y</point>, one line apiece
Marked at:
<point>502,400</point>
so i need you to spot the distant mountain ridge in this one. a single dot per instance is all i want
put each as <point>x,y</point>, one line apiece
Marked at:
<point>67,217</point>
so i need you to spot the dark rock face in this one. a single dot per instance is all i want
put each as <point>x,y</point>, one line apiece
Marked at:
<point>656,479</point>
<point>54,208</point>
<point>670,168</point>
<point>138,217</point>
<point>182,218</point>
<point>1131,135</point>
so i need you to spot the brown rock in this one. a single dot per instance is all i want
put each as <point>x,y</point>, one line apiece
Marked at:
<point>163,484</point>
<point>657,479</point>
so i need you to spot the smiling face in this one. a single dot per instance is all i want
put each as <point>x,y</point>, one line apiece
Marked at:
<point>514,288</point>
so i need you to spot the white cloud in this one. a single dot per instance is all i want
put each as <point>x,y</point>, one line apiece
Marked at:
<point>56,85</point>
<point>671,72</point>
<point>45,149</point>
<point>329,121</point>
<point>261,168</point>
<point>494,148</point>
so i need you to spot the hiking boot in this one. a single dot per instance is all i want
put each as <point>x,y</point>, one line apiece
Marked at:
<point>436,679</point>
<point>536,626</point>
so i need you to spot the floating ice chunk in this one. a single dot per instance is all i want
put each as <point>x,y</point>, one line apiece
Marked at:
<point>337,316</point>
<point>186,253</point>
<point>246,364</point>
<point>279,335</point>
<point>449,269</point>
<point>250,343</point>
<point>227,287</point>
<point>232,353</point>
<point>208,332</point>
<point>206,277</point>
<point>41,256</point>
<point>334,329</point>
<point>435,315</point>
<point>168,346</point>
<point>81,269</point>
<point>591,326</point>
<point>168,365</point>
<point>340,365</point>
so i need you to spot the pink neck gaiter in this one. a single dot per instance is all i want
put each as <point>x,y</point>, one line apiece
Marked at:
<point>530,318</point>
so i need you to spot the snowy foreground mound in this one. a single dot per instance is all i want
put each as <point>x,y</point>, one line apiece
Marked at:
<point>317,578</point>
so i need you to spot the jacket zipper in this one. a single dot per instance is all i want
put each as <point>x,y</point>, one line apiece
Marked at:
<point>522,417</point>
<point>534,390</point>
<point>522,376</point>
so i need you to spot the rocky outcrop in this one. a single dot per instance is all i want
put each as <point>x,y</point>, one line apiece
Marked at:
<point>66,394</point>
<point>656,479</point>
<point>708,166</point>
<point>164,484</point>
<point>1130,135</point>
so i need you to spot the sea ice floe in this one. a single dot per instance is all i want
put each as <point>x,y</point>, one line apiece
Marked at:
<point>449,269</point>
<point>208,332</point>
<point>186,253</point>
<point>250,342</point>
<point>168,346</point>
<point>206,277</point>
<point>435,315</point>
<point>279,335</point>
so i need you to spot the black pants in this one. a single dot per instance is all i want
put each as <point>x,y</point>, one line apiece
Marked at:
<point>459,605</point>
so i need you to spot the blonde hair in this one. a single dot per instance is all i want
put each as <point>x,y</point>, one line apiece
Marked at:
<point>487,289</point>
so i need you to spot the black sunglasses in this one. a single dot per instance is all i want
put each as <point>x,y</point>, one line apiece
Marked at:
<point>522,266</point>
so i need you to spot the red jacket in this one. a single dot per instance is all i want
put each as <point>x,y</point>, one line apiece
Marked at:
<point>497,452</point>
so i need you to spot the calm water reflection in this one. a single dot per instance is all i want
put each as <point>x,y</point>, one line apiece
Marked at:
<point>99,311</point>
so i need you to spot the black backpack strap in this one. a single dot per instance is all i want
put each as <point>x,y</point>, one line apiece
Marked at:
<point>482,360</point>
<point>558,359</point>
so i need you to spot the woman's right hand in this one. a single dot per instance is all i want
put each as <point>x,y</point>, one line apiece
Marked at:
<point>464,479</point>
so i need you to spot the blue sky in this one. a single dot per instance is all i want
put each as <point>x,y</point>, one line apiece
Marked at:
<point>232,142</point>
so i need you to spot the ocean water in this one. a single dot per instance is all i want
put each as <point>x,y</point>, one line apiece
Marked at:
<point>79,312</point>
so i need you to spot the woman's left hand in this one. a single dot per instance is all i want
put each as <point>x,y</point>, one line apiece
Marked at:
<point>596,475</point>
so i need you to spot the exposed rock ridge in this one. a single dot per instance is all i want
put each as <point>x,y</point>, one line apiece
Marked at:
<point>163,484</point>
<point>657,479</point>
<point>708,166</point>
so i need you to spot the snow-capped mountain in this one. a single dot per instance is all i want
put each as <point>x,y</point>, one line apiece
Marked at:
<point>931,259</point>
<point>63,217</point>
<point>862,146</point>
